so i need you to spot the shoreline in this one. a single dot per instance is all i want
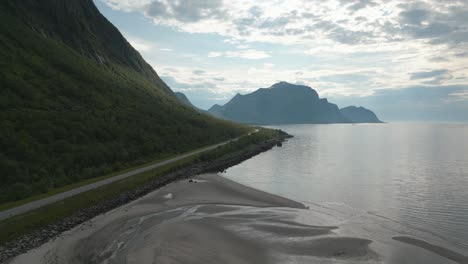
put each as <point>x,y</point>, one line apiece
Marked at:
<point>40,236</point>
<point>209,220</point>
<point>94,183</point>
<point>189,216</point>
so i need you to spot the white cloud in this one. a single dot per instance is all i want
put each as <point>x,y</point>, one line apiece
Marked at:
<point>214,54</point>
<point>304,21</point>
<point>250,54</point>
<point>140,44</point>
<point>313,23</point>
<point>385,41</point>
<point>166,49</point>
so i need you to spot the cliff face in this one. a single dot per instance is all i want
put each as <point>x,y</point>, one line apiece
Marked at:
<point>282,103</point>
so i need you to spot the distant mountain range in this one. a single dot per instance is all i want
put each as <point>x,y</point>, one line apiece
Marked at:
<point>285,103</point>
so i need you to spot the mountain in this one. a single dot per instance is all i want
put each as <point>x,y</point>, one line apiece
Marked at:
<point>359,115</point>
<point>282,103</point>
<point>78,101</point>
<point>184,100</point>
<point>216,110</point>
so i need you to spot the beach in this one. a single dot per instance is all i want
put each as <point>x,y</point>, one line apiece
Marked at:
<point>210,219</point>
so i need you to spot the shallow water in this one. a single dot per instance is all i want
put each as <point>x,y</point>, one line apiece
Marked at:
<point>387,179</point>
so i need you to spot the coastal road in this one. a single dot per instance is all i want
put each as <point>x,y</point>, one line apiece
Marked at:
<point>58,197</point>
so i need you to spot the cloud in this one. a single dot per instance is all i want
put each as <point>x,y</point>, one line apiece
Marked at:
<point>439,59</point>
<point>346,78</point>
<point>243,46</point>
<point>436,76</point>
<point>247,54</point>
<point>431,103</point>
<point>356,48</point>
<point>178,85</point>
<point>202,93</point>
<point>198,72</point>
<point>414,102</point>
<point>442,22</point>
<point>355,5</point>
<point>419,94</point>
<point>188,11</point>
<point>312,22</point>
<point>414,16</point>
<point>214,54</point>
<point>428,74</point>
<point>139,44</point>
<point>250,54</point>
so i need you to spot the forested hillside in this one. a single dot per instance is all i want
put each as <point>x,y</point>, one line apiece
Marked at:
<point>77,101</point>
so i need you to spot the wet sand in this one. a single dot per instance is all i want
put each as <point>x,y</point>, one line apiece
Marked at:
<point>212,220</point>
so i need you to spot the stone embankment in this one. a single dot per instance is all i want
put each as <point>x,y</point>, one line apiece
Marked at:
<point>220,164</point>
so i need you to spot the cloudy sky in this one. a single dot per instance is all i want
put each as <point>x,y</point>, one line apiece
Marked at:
<point>407,60</point>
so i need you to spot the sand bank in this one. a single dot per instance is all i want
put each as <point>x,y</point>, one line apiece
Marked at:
<point>212,220</point>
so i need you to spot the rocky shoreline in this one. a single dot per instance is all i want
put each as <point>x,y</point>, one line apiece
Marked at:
<point>39,237</point>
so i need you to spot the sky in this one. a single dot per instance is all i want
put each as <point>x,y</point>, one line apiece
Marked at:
<point>405,60</point>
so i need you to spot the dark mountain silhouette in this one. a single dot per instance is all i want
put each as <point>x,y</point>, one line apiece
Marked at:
<point>359,115</point>
<point>78,101</point>
<point>282,103</point>
<point>184,100</point>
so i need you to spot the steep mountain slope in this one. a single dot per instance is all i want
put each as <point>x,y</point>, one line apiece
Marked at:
<point>77,101</point>
<point>216,110</point>
<point>184,100</point>
<point>282,103</point>
<point>359,115</point>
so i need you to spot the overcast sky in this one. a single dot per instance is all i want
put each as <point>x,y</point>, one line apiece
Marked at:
<point>406,60</point>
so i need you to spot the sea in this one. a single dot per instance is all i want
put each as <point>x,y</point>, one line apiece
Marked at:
<point>378,180</point>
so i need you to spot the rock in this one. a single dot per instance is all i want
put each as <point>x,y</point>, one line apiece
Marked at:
<point>51,231</point>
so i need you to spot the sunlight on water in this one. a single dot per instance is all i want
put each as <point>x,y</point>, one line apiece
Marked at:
<point>415,175</point>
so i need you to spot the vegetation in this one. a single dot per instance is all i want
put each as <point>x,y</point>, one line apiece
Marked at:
<point>75,107</point>
<point>242,144</point>
<point>16,226</point>
<point>54,191</point>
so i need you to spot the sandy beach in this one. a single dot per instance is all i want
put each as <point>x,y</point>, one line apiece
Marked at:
<point>210,220</point>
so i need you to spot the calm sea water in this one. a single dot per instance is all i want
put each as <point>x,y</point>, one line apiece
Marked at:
<point>409,179</point>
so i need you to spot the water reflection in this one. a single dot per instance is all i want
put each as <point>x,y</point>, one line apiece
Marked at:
<point>412,174</point>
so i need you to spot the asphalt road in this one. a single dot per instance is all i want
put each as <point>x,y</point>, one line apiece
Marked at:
<point>58,197</point>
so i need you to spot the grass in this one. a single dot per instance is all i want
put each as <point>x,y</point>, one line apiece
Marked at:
<point>22,224</point>
<point>9,205</point>
<point>16,226</point>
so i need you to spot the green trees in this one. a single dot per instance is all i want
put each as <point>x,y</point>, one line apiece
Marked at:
<point>65,117</point>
